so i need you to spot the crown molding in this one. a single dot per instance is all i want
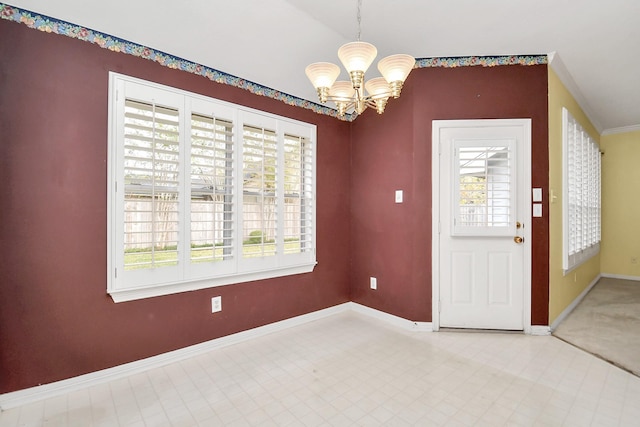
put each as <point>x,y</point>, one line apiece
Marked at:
<point>623,129</point>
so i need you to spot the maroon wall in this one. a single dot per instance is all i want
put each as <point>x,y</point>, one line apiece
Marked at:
<point>392,242</point>
<point>56,320</point>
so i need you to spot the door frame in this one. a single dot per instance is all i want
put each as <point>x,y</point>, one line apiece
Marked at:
<point>525,187</point>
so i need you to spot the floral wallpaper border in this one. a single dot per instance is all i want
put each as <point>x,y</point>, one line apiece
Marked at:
<point>52,25</point>
<point>484,61</point>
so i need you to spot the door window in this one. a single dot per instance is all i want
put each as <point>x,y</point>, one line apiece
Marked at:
<point>483,188</point>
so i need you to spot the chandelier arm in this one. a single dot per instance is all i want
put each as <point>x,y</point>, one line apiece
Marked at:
<point>350,101</point>
<point>354,99</point>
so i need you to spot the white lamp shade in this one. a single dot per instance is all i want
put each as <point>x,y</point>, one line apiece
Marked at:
<point>322,74</point>
<point>357,56</point>
<point>396,67</point>
<point>342,91</point>
<point>378,88</point>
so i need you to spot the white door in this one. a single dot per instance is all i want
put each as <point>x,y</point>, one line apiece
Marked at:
<point>482,223</point>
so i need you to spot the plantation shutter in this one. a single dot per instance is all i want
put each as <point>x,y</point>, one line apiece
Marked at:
<point>298,194</point>
<point>212,189</point>
<point>259,174</point>
<point>151,178</point>
<point>484,179</point>
<point>574,174</point>
<point>203,193</point>
<point>581,205</point>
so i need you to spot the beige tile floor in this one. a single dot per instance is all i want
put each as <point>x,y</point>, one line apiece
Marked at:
<point>351,370</point>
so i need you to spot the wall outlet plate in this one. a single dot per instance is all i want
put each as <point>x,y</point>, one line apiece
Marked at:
<point>373,282</point>
<point>216,304</point>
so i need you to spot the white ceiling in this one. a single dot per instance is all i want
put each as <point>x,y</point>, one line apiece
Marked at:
<point>270,42</point>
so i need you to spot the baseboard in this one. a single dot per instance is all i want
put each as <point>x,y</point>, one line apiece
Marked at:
<point>620,276</point>
<point>575,303</point>
<point>538,330</point>
<point>33,394</point>
<point>29,395</point>
<point>392,319</point>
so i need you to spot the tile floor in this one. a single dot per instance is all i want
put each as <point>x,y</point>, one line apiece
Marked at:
<point>351,370</point>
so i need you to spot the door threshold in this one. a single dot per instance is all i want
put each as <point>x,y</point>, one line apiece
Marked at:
<point>482,331</point>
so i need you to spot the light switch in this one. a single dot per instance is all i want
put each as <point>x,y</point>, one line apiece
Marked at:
<point>537,194</point>
<point>398,196</point>
<point>537,210</point>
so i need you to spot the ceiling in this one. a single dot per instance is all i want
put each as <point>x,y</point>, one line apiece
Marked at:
<point>270,42</point>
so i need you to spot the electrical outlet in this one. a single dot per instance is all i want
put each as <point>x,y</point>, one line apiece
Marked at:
<point>634,260</point>
<point>373,282</point>
<point>216,304</point>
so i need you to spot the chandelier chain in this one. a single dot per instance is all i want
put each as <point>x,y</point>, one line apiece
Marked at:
<point>359,16</point>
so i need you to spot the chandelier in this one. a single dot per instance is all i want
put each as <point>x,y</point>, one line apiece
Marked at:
<point>356,57</point>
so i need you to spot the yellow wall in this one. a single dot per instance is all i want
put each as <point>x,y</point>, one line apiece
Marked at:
<point>563,289</point>
<point>620,249</point>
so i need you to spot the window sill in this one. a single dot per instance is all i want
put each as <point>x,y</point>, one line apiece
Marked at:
<point>131,294</point>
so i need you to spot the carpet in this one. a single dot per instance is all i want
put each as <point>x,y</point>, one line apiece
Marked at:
<point>606,323</point>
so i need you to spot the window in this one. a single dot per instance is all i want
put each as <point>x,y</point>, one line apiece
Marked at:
<point>581,193</point>
<point>483,177</point>
<point>204,193</point>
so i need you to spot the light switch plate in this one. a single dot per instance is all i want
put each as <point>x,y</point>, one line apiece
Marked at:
<point>537,194</point>
<point>537,210</point>
<point>398,196</point>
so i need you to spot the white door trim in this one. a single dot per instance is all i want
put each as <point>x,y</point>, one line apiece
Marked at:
<point>437,125</point>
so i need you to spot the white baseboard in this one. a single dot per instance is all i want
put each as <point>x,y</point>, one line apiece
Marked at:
<point>33,394</point>
<point>575,303</point>
<point>538,330</point>
<point>391,319</point>
<point>620,276</point>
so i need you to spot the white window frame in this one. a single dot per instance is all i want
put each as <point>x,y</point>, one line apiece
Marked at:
<point>127,285</point>
<point>581,191</point>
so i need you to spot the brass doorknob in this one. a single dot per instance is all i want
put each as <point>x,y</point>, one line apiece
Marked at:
<point>518,239</point>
